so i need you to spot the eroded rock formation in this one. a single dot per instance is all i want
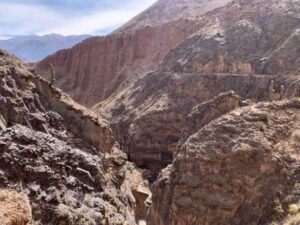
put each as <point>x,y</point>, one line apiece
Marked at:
<point>153,116</point>
<point>59,155</point>
<point>197,49</point>
<point>242,168</point>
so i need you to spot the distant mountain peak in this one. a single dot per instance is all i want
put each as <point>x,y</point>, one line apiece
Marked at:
<point>34,47</point>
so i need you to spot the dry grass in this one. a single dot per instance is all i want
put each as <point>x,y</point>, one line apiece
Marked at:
<point>14,208</point>
<point>293,209</point>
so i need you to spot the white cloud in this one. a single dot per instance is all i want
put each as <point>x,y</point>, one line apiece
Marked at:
<point>91,23</point>
<point>24,19</point>
<point>4,38</point>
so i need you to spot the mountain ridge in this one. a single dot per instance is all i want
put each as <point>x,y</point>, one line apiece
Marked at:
<point>34,48</point>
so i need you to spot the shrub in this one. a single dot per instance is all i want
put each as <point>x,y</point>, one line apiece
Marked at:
<point>293,209</point>
<point>129,166</point>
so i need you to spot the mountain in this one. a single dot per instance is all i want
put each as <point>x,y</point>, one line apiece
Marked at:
<point>146,77</point>
<point>203,95</point>
<point>34,48</point>
<point>59,162</point>
<point>129,52</point>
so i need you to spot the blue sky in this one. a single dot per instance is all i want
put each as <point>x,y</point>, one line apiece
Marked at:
<point>66,17</point>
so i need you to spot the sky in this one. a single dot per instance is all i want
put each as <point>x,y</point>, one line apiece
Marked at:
<point>66,17</point>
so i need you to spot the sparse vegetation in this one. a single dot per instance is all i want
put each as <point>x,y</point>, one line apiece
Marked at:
<point>129,166</point>
<point>294,220</point>
<point>277,210</point>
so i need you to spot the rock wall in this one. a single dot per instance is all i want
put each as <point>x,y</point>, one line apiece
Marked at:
<point>154,115</point>
<point>59,155</point>
<point>102,64</point>
<point>239,169</point>
<point>242,37</point>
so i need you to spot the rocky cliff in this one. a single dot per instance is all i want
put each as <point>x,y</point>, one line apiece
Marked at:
<point>59,162</point>
<point>164,80</point>
<point>242,168</point>
<point>103,65</point>
<point>151,118</point>
<point>257,37</point>
<point>194,50</point>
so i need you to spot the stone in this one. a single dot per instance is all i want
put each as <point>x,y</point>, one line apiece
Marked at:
<point>226,177</point>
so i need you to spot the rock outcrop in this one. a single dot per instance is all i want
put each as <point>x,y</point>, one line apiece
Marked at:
<point>208,111</point>
<point>197,49</point>
<point>252,36</point>
<point>62,157</point>
<point>242,168</point>
<point>153,116</point>
<point>92,70</point>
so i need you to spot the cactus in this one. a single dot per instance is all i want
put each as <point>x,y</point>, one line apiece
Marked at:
<point>271,91</point>
<point>281,92</point>
<point>52,75</point>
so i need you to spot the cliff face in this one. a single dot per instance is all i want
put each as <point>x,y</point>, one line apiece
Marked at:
<point>242,168</point>
<point>210,50</point>
<point>151,118</point>
<point>93,70</point>
<point>257,37</point>
<point>61,160</point>
<point>240,37</point>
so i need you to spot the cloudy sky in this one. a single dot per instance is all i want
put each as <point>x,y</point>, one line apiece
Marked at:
<point>66,17</point>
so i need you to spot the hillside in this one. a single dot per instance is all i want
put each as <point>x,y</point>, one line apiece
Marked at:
<point>145,79</point>
<point>204,97</point>
<point>59,162</point>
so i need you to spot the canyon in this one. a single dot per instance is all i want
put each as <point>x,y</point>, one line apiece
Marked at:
<point>187,114</point>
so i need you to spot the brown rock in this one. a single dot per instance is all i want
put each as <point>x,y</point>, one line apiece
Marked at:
<point>239,169</point>
<point>61,155</point>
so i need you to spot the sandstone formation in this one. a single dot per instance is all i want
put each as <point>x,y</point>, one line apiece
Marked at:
<point>242,168</point>
<point>62,157</point>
